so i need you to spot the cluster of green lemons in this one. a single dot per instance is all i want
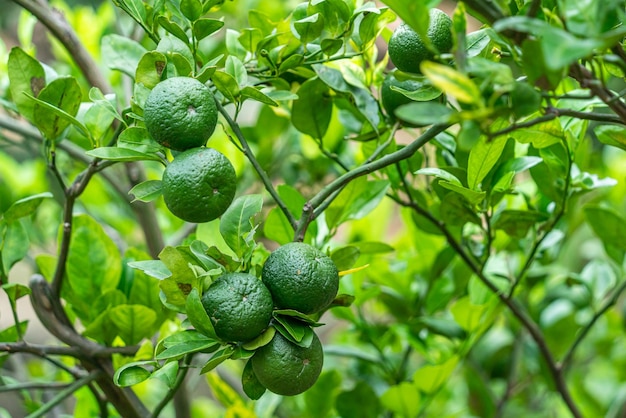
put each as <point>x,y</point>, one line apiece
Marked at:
<point>407,50</point>
<point>296,276</point>
<point>200,182</point>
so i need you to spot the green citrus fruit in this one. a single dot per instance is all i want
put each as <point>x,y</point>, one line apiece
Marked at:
<point>300,277</point>
<point>288,369</point>
<point>392,99</point>
<point>180,113</point>
<point>199,185</point>
<point>239,306</point>
<point>407,49</point>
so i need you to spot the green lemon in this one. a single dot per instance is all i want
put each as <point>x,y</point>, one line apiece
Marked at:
<point>199,185</point>
<point>288,369</point>
<point>180,113</point>
<point>407,49</point>
<point>239,306</point>
<point>300,277</point>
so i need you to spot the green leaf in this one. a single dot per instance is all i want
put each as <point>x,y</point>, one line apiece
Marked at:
<point>150,69</point>
<point>356,200</point>
<point>26,75</point>
<point>251,385</point>
<point>250,92</point>
<point>608,225</point>
<point>277,228</point>
<point>442,326</point>
<point>613,135</point>
<point>312,111</point>
<point>204,27</point>
<point>237,223</point>
<point>456,210</point>
<point>146,191</point>
<point>472,196</point>
<point>292,313</point>
<point>218,358</point>
<point>310,28</point>
<point>15,291</point>
<point>14,244</point>
<point>359,402</point>
<point>425,113</point>
<point>133,322</point>
<point>454,83</point>
<point>430,378</point>
<point>153,268</point>
<point>440,174</point>
<point>294,330</point>
<point>183,279</point>
<point>345,257</point>
<point>173,28</point>
<point>24,207</point>
<point>187,347</point>
<point>516,223</point>
<point>137,139</point>
<point>191,9</point>
<point>197,315</point>
<point>94,264</point>
<point>541,136</point>
<point>403,399</point>
<point>320,399</point>
<point>132,373</point>
<point>65,94</point>
<point>560,48</point>
<point>237,70</point>
<point>167,374</point>
<point>121,53</point>
<point>261,340</point>
<point>226,84</point>
<point>482,158</point>
<point>53,111</point>
<point>121,154</point>
<point>413,13</point>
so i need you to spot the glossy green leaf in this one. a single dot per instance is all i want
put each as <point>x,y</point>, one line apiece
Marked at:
<point>356,200</point>
<point>345,257</point>
<point>358,402</point>
<point>218,358</point>
<point>293,314</point>
<point>138,139</point>
<point>173,28</point>
<point>167,374</point>
<point>205,27</point>
<point>26,75</point>
<point>403,399</point>
<point>312,111</point>
<point>121,53</point>
<point>24,207</point>
<point>133,322</point>
<point>150,69</point>
<point>237,224</point>
<point>146,191</point>
<point>425,113</point>
<point>250,92</point>
<point>132,373</point>
<point>309,28</point>
<point>15,291</point>
<point>482,158</point>
<point>454,83</point>
<point>14,244</point>
<point>608,225</point>
<point>250,383</point>
<point>430,378</point>
<point>198,316</point>
<point>613,135</point>
<point>186,347</point>
<point>121,154</point>
<point>541,136</point>
<point>517,223</point>
<point>226,84</point>
<point>153,268</point>
<point>191,9</point>
<point>237,70</point>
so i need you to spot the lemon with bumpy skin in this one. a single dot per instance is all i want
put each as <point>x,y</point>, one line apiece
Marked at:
<point>180,113</point>
<point>199,185</point>
<point>239,306</point>
<point>407,49</point>
<point>300,277</point>
<point>288,369</point>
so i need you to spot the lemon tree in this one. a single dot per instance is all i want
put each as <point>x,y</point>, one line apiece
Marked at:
<point>409,208</point>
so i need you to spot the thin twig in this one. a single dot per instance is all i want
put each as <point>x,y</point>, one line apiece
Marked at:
<point>267,182</point>
<point>567,358</point>
<point>180,378</point>
<point>68,391</point>
<point>33,386</point>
